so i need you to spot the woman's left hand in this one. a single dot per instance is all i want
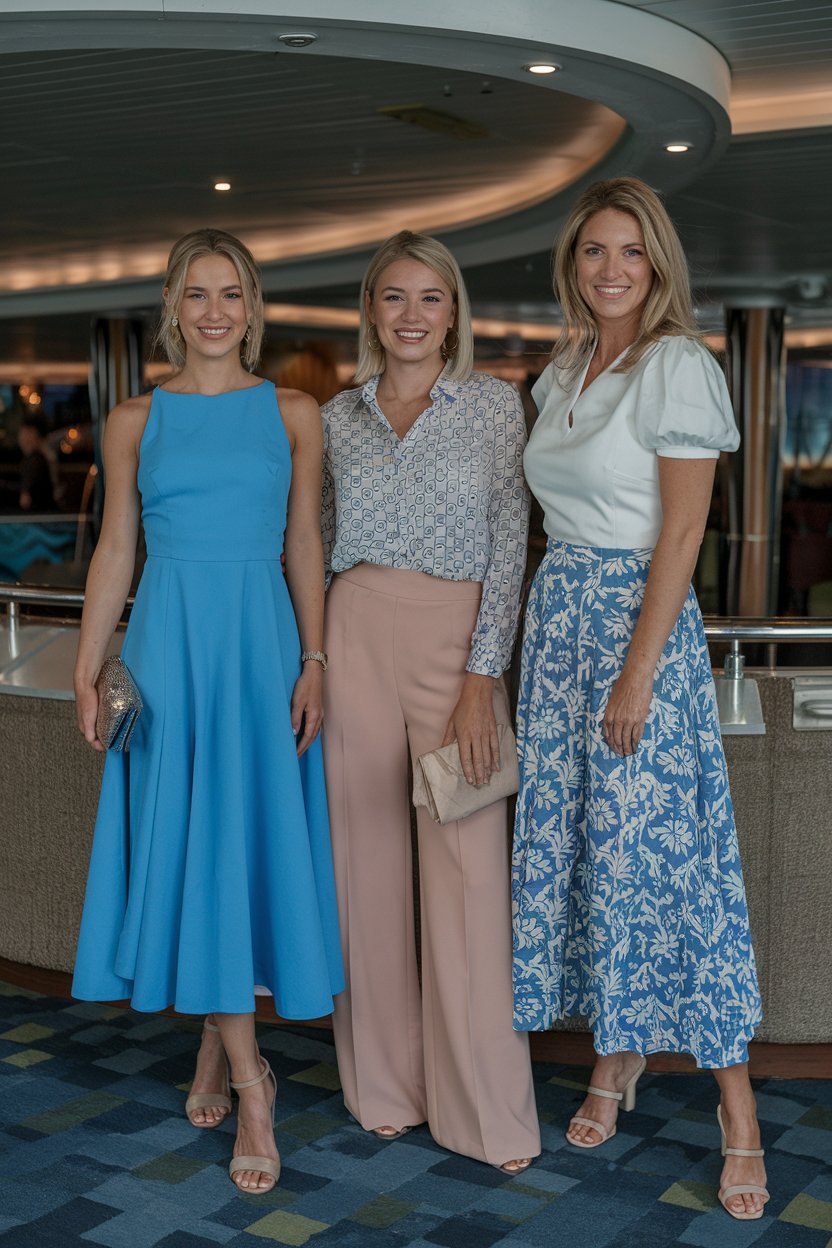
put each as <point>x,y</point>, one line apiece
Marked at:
<point>627,711</point>
<point>308,705</point>
<point>474,727</point>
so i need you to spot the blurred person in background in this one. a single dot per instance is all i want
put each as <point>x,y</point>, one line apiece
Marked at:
<point>38,469</point>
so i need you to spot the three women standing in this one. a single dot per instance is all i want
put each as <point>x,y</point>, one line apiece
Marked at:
<point>426,514</point>
<point>211,869</point>
<point>629,906</point>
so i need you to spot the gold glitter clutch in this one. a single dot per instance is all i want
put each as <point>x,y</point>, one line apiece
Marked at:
<point>119,705</point>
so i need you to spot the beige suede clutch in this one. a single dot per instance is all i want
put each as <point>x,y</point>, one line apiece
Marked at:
<point>439,781</point>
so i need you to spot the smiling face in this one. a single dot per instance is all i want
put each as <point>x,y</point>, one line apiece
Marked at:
<point>613,272</point>
<point>212,313</point>
<point>412,308</point>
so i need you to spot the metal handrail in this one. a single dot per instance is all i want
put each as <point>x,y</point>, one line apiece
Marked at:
<point>41,596</point>
<point>16,595</point>
<point>788,628</point>
<point>717,627</point>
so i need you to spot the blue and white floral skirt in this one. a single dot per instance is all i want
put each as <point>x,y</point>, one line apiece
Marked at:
<point>628,897</point>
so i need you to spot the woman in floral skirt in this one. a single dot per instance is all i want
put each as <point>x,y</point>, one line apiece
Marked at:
<point>629,905</point>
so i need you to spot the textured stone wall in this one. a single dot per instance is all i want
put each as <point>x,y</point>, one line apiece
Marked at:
<point>49,782</point>
<point>781,785</point>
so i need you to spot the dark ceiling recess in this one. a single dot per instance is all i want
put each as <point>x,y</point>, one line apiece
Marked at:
<point>437,122</point>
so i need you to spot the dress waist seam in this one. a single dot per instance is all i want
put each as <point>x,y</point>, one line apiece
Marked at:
<point>213,559</point>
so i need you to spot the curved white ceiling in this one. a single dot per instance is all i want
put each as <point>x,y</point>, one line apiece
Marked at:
<point>665,83</point>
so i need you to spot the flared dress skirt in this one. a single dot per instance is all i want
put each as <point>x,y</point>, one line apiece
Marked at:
<point>211,867</point>
<point>628,899</point>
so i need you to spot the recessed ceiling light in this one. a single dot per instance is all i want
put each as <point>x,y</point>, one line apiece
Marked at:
<point>222,186</point>
<point>297,41</point>
<point>677,147</point>
<point>547,67</point>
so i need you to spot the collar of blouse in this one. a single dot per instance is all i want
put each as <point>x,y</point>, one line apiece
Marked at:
<point>443,385</point>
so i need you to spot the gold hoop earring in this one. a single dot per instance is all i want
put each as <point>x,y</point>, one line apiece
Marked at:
<point>372,333</point>
<point>450,348</point>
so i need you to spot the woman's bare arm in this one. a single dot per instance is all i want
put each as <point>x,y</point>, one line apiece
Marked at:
<point>304,554</point>
<point>111,568</point>
<point>685,486</point>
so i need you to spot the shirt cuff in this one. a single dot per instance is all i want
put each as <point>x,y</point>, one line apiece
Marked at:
<point>482,667</point>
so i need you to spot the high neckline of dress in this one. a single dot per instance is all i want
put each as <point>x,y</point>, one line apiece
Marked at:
<point>222,394</point>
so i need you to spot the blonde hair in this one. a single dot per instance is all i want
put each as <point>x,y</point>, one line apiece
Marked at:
<point>408,246</point>
<point>668,309</point>
<point>192,247</point>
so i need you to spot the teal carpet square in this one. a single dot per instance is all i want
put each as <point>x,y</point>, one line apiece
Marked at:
<point>95,1150</point>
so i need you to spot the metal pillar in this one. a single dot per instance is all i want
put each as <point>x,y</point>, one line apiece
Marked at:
<point>756,359</point>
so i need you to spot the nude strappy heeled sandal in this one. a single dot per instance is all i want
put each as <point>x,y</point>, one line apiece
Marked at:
<point>204,1100</point>
<point>740,1189</point>
<point>392,1134</point>
<point>264,1164</point>
<point>628,1101</point>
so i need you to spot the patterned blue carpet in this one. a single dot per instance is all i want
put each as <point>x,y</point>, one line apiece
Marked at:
<point>94,1149</point>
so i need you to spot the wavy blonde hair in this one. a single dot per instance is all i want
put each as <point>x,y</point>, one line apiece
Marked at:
<point>668,309</point>
<point>408,246</point>
<point>192,247</point>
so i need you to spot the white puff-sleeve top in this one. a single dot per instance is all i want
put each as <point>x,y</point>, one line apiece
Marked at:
<point>598,480</point>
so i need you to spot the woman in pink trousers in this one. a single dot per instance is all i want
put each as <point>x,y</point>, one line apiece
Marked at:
<point>425,520</point>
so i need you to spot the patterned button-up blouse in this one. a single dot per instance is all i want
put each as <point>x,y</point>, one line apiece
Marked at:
<point>448,498</point>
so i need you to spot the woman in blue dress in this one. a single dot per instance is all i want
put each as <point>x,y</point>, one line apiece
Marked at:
<point>629,905</point>
<point>211,871</point>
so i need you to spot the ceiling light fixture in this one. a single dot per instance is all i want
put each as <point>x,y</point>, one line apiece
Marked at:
<point>222,186</point>
<point>297,41</point>
<point>548,67</point>
<point>677,147</point>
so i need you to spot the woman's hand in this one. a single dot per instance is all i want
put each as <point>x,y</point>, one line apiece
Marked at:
<point>627,711</point>
<point>474,727</point>
<point>308,704</point>
<point>86,710</point>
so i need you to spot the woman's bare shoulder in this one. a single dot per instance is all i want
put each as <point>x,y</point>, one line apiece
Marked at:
<point>297,404</point>
<point>131,410</point>
<point>126,421</point>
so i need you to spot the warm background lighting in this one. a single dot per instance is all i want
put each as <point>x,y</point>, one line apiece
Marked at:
<point>550,68</point>
<point>677,147</point>
<point>222,186</point>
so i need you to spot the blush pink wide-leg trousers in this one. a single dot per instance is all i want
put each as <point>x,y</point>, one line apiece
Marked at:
<point>398,643</point>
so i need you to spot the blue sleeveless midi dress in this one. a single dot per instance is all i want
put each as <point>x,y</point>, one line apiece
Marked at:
<point>211,867</point>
